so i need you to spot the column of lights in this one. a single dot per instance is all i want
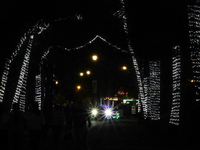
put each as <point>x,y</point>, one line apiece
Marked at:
<point>20,93</point>
<point>154,69</point>
<point>38,90</point>
<point>121,15</point>
<point>194,36</point>
<point>21,86</point>
<point>147,108</point>
<point>38,87</point>
<point>5,74</point>
<point>176,79</point>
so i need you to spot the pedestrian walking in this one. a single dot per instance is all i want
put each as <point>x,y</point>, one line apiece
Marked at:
<point>80,117</point>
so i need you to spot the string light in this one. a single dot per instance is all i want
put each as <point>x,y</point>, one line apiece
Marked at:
<point>90,42</point>
<point>154,69</point>
<point>121,15</point>
<point>147,103</point>
<point>38,28</point>
<point>176,79</point>
<point>194,36</point>
<point>5,74</point>
<point>38,82</point>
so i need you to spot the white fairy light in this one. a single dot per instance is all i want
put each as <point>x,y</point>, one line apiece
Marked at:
<point>154,69</point>
<point>90,42</point>
<point>194,36</point>
<point>7,67</point>
<point>176,79</point>
<point>21,86</point>
<point>121,15</point>
<point>38,88</point>
<point>147,103</point>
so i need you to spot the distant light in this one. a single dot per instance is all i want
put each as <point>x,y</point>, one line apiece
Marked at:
<point>124,68</point>
<point>56,82</point>
<point>94,111</point>
<point>88,72</point>
<point>192,81</point>
<point>78,87</point>
<point>94,57</point>
<point>81,74</point>
<point>108,112</point>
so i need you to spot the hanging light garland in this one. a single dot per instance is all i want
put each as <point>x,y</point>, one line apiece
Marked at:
<point>90,42</point>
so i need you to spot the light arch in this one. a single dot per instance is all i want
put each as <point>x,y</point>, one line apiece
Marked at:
<point>38,28</point>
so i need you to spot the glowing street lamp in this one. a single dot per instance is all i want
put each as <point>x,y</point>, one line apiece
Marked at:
<point>81,74</point>
<point>88,72</point>
<point>192,80</point>
<point>78,87</point>
<point>94,57</point>
<point>124,68</point>
<point>56,82</point>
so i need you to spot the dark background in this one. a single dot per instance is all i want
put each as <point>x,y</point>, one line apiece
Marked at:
<point>154,28</point>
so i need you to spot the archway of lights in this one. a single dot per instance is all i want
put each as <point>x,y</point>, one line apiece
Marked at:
<point>28,38</point>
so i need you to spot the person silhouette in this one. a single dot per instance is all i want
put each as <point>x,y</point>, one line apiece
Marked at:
<point>57,124</point>
<point>80,117</point>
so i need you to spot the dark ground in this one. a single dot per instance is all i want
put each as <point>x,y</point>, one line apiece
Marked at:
<point>128,134</point>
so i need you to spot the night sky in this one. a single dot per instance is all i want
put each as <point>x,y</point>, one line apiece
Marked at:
<point>154,26</point>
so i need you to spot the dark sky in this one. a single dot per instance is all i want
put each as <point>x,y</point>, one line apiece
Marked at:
<point>154,26</point>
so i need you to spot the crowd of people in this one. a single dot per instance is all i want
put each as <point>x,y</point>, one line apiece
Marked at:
<point>19,129</point>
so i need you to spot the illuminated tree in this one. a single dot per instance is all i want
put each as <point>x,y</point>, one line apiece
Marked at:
<point>176,92</point>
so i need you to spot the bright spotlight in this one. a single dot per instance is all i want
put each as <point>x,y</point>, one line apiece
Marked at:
<point>94,112</point>
<point>108,112</point>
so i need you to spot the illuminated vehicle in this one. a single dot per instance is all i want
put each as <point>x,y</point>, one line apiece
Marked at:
<point>116,115</point>
<point>110,113</point>
<point>94,113</point>
<point>104,112</point>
